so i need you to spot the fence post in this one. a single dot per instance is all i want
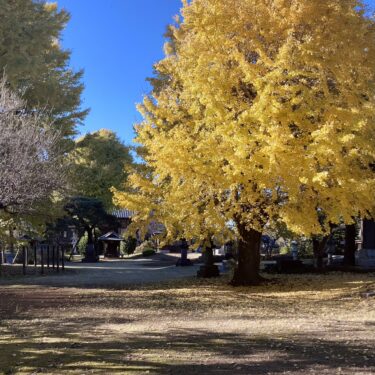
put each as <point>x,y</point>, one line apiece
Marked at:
<point>35,261</point>
<point>53,256</point>
<point>63,257</point>
<point>48,256</point>
<point>58,258</point>
<point>41,260</point>
<point>24,259</point>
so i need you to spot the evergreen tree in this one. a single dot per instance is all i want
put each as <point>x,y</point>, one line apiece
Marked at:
<point>35,63</point>
<point>86,215</point>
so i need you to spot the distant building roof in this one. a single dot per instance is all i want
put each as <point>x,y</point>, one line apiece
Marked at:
<point>111,236</point>
<point>123,214</point>
<point>156,228</point>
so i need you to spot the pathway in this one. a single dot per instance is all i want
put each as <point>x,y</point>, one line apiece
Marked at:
<point>111,273</point>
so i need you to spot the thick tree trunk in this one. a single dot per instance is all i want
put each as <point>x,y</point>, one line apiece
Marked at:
<point>318,249</point>
<point>90,255</point>
<point>247,270</point>
<point>209,256</point>
<point>350,248</point>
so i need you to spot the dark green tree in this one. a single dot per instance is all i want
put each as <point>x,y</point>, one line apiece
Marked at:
<point>87,215</point>
<point>35,63</point>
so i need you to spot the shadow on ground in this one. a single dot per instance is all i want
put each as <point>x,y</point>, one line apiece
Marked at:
<point>294,325</point>
<point>208,353</point>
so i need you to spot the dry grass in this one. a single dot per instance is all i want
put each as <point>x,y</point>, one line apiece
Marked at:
<point>296,324</point>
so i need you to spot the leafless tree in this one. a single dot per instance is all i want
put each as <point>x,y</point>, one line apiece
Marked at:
<point>31,167</point>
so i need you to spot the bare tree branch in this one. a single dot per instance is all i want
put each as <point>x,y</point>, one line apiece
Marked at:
<point>31,168</point>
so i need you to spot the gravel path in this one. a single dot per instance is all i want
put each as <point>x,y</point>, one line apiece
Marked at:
<point>110,273</point>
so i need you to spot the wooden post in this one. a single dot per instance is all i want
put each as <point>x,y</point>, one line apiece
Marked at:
<point>53,256</point>
<point>58,258</point>
<point>63,257</point>
<point>24,259</point>
<point>1,260</point>
<point>35,262</point>
<point>48,256</point>
<point>41,260</point>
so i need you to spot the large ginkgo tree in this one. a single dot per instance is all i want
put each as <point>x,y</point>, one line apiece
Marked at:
<point>268,108</point>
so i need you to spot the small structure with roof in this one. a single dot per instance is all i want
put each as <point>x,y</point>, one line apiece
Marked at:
<point>111,242</point>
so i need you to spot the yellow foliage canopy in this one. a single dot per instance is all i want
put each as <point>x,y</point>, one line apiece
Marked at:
<point>267,114</point>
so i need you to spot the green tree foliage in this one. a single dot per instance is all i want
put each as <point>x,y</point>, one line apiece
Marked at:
<point>88,214</point>
<point>35,63</point>
<point>99,163</point>
<point>128,246</point>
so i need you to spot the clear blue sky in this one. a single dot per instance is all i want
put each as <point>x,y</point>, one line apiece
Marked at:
<point>117,42</point>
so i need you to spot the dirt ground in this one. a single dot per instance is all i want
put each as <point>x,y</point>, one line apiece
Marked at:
<point>308,324</point>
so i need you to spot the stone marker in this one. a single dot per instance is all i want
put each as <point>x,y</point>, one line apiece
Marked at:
<point>366,256</point>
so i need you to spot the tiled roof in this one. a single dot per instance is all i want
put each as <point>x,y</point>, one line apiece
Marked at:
<point>123,214</point>
<point>111,236</point>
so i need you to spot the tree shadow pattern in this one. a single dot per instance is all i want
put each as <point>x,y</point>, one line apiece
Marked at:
<point>42,331</point>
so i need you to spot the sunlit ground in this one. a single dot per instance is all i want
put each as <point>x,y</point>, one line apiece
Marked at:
<point>298,324</point>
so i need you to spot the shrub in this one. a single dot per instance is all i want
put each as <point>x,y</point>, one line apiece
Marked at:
<point>144,245</point>
<point>82,244</point>
<point>148,252</point>
<point>284,250</point>
<point>305,249</point>
<point>130,245</point>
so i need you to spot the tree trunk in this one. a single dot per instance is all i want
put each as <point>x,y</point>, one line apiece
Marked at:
<point>12,240</point>
<point>95,238</point>
<point>90,239</point>
<point>318,249</point>
<point>209,256</point>
<point>247,270</point>
<point>350,248</point>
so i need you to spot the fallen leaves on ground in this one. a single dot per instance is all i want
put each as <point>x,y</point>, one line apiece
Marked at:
<point>292,324</point>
